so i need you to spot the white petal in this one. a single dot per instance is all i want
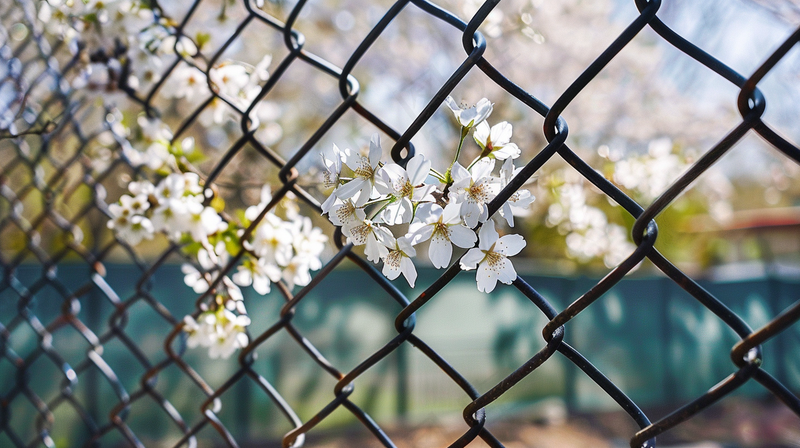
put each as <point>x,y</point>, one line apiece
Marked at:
<point>481,133</point>
<point>460,175</point>
<point>242,277</point>
<point>451,213</point>
<point>501,133</point>
<point>404,244</point>
<point>482,168</point>
<point>471,259</point>
<point>326,206</point>
<point>510,245</point>
<point>451,103</point>
<point>365,193</point>
<point>375,150</point>
<point>483,109</point>
<point>409,271</point>
<point>374,250</point>
<point>428,213</point>
<point>393,214</point>
<point>486,278</point>
<point>440,251</point>
<point>261,284</point>
<point>395,173</point>
<point>349,189</point>
<point>418,168</point>
<point>462,236</point>
<point>509,151</point>
<point>507,171</point>
<point>385,186</point>
<point>505,212</point>
<point>424,193</point>
<point>506,273</point>
<point>488,236</point>
<point>391,272</point>
<point>471,212</point>
<point>420,232</point>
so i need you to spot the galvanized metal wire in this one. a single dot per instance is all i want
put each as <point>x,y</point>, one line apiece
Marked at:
<point>52,234</point>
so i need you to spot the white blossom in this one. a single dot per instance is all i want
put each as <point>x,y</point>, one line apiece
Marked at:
<point>344,213</point>
<point>364,171</point>
<point>186,82</point>
<point>444,227</point>
<point>472,116</point>
<point>296,272</point>
<point>496,142</point>
<point>405,187</point>
<point>519,201</point>
<point>221,331</point>
<point>398,260</point>
<point>474,190</point>
<point>130,228</point>
<point>308,241</point>
<point>491,257</point>
<point>272,240</point>
<point>258,273</point>
<point>375,237</point>
<point>202,221</point>
<point>333,170</point>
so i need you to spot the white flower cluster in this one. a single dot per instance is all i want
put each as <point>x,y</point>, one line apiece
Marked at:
<point>222,331</point>
<point>236,82</point>
<point>588,233</point>
<point>649,175</point>
<point>127,31</point>
<point>374,200</point>
<point>179,207</point>
<point>277,250</point>
<point>174,206</point>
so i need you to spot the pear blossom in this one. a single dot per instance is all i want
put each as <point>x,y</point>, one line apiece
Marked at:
<point>137,205</point>
<point>518,202</point>
<point>186,82</point>
<point>200,330</point>
<point>308,241</point>
<point>221,331</point>
<point>144,187</point>
<point>230,79</point>
<point>153,129</point>
<point>333,170</point>
<point>210,262</point>
<point>158,154</point>
<point>202,221</point>
<point>272,240</point>
<point>496,142</point>
<point>191,181</point>
<point>171,217</point>
<point>171,187</point>
<point>474,190</point>
<point>252,212</point>
<point>258,273</point>
<point>373,235</point>
<point>365,171</point>
<point>398,260</point>
<point>491,257</point>
<point>130,228</point>
<point>345,212</point>
<point>296,272</point>
<point>444,227</point>
<point>472,116</point>
<point>404,185</point>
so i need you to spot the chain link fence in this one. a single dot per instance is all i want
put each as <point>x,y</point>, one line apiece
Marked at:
<point>77,320</point>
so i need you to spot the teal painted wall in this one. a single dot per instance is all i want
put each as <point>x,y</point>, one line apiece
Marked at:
<point>651,338</point>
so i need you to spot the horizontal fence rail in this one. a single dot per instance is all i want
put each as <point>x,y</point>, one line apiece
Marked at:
<point>106,332</point>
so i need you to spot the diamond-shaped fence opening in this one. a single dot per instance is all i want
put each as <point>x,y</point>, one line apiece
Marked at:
<point>103,104</point>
